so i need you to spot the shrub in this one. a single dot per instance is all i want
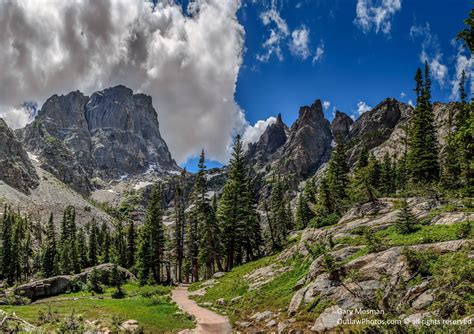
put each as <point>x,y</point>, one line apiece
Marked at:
<point>94,281</point>
<point>374,243</point>
<point>419,262</point>
<point>406,221</point>
<point>464,230</point>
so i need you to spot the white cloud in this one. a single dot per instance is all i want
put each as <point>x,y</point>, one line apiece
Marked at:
<point>319,53</point>
<point>188,63</point>
<point>402,95</point>
<point>299,45</point>
<point>376,14</point>
<point>278,33</point>
<point>362,107</point>
<point>253,133</point>
<point>410,103</point>
<point>463,63</point>
<point>326,105</point>
<point>430,52</point>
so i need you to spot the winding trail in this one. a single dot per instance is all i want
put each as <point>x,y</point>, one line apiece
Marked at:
<point>208,322</point>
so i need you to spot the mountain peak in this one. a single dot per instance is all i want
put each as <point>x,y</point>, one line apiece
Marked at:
<point>341,124</point>
<point>315,110</point>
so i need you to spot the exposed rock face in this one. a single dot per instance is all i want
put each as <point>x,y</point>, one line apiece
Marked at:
<point>341,125</point>
<point>16,169</point>
<point>272,139</point>
<point>108,135</point>
<point>375,126</point>
<point>309,143</point>
<point>395,144</point>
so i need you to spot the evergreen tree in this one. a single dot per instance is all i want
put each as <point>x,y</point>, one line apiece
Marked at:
<point>180,224</point>
<point>303,211</point>
<point>105,244</point>
<point>131,245</point>
<point>82,251</point>
<point>279,218</point>
<point>366,178</point>
<point>7,269</point>
<point>232,209</point>
<point>119,245</point>
<point>422,158</point>
<point>337,178</point>
<point>387,176</point>
<point>93,244</point>
<point>49,261</point>
<point>406,221</point>
<point>152,240</point>
<point>69,261</point>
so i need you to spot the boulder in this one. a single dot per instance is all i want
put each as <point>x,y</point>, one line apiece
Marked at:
<point>260,316</point>
<point>219,274</point>
<point>60,284</point>
<point>129,325</point>
<point>423,301</point>
<point>328,320</point>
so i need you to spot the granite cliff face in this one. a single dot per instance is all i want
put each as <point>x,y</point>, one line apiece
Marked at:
<point>374,127</point>
<point>341,125</point>
<point>300,150</point>
<point>309,142</point>
<point>111,134</point>
<point>16,169</point>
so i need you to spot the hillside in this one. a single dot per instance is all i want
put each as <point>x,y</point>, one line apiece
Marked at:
<point>387,274</point>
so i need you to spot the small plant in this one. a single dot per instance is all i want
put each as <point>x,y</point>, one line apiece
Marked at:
<point>464,230</point>
<point>48,316</point>
<point>332,267</point>
<point>71,323</point>
<point>374,243</point>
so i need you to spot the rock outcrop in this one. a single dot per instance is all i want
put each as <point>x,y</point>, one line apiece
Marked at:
<point>309,142</point>
<point>341,125</point>
<point>111,134</point>
<point>16,169</point>
<point>374,127</point>
<point>60,284</point>
<point>261,153</point>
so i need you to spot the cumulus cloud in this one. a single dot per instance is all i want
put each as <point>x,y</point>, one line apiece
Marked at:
<point>430,51</point>
<point>376,15</point>
<point>278,33</point>
<point>326,105</point>
<point>318,56</point>
<point>299,45</point>
<point>188,62</point>
<point>402,95</point>
<point>253,133</point>
<point>466,64</point>
<point>362,107</point>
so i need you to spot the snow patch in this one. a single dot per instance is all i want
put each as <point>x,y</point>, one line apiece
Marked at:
<point>142,184</point>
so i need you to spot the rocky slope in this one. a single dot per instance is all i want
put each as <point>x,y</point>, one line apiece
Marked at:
<point>305,288</point>
<point>16,169</point>
<point>111,134</point>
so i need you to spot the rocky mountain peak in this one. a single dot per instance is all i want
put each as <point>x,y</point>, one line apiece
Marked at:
<point>16,169</point>
<point>111,134</point>
<point>341,124</point>
<point>315,111</point>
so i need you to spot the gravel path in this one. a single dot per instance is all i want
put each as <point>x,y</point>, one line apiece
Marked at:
<point>207,321</point>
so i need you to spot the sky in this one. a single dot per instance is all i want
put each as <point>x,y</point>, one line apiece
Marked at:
<point>216,68</point>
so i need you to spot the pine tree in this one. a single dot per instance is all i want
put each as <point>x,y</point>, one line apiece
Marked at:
<point>279,214</point>
<point>152,240</point>
<point>337,177</point>
<point>303,212</point>
<point>7,269</point>
<point>387,176</point>
<point>180,224</point>
<point>119,245</point>
<point>49,261</point>
<point>82,250</point>
<point>93,244</point>
<point>422,158</point>
<point>131,245</point>
<point>232,209</point>
<point>105,244</point>
<point>366,178</point>
<point>406,221</point>
<point>69,261</point>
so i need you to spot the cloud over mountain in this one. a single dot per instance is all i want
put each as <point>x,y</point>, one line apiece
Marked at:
<point>188,62</point>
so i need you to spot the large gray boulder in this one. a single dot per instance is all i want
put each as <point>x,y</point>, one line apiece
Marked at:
<point>60,284</point>
<point>16,169</point>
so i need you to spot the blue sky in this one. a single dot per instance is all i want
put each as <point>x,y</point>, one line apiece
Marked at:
<point>360,64</point>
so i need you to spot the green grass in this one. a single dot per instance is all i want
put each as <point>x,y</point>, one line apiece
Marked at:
<point>151,313</point>
<point>424,234</point>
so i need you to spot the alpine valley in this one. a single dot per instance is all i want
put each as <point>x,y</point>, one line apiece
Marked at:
<point>318,226</point>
